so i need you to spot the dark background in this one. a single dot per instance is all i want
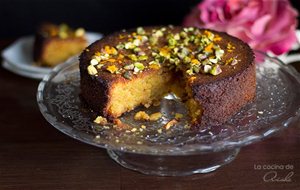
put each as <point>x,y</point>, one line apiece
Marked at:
<point>21,17</point>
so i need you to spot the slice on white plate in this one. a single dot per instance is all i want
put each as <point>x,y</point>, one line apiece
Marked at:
<point>18,56</point>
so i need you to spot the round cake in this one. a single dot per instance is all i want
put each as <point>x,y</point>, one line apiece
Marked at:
<point>212,72</point>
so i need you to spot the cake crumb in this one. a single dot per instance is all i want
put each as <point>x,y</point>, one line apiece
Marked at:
<point>100,120</point>
<point>143,126</point>
<point>170,124</point>
<point>156,103</point>
<point>120,124</point>
<point>133,129</point>
<point>159,130</point>
<point>178,116</point>
<point>147,105</point>
<point>187,126</point>
<point>97,137</point>
<point>155,116</point>
<point>141,115</point>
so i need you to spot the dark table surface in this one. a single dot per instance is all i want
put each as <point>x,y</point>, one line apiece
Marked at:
<point>34,155</point>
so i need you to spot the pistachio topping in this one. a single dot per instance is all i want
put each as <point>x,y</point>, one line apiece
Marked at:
<point>190,50</point>
<point>92,70</point>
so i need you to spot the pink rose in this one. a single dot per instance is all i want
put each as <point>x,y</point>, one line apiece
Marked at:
<point>266,25</point>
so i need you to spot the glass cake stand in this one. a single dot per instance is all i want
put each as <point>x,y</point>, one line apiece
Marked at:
<point>179,150</point>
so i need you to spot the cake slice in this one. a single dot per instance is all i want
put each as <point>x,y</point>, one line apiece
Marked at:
<point>212,72</point>
<point>54,44</point>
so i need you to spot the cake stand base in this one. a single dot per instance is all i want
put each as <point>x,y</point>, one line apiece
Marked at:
<point>174,165</point>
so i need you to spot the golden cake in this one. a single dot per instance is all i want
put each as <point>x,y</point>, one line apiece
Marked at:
<point>54,44</point>
<point>212,72</point>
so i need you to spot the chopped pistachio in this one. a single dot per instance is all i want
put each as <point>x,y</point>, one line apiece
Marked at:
<point>186,59</point>
<point>172,42</point>
<point>191,29</point>
<point>92,70</point>
<point>153,40</point>
<point>175,50</point>
<point>140,30</point>
<point>154,54</point>
<point>183,34</point>
<point>154,65</point>
<point>133,57</point>
<point>190,71</point>
<point>196,68</point>
<point>186,41</point>
<point>206,62</point>
<point>94,62</point>
<point>142,57</point>
<point>129,67</point>
<point>120,46</point>
<point>185,51</point>
<point>144,39</point>
<point>99,66</point>
<point>158,33</point>
<point>136,70</point>
<point>127,75</point>
<point>136,42</point>
<point>234,62</point>
<point>192,38</point>
<point>219,52</point>
<point>207,68</point>
<point>201,56</point>
<point>176,61</point>
<point>137,49</point>
<point>196,50</point>
<point>98,58</point>
<point>215,60</point>
<point>129,45</point>
<point>216,69</point>
<point>177,36</point>
<point>139,65</point>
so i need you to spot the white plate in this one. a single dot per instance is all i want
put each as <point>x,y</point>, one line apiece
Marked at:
<point>24,73</point>
<point>18,57</point>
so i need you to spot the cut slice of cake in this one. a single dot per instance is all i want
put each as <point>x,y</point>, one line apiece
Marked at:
<point>212,72</point>
<point>54,44</point>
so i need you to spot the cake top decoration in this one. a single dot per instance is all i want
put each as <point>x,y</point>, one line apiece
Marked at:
<point>188,49</point>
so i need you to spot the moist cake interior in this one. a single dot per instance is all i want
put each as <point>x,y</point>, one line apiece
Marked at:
<point>151,88</point>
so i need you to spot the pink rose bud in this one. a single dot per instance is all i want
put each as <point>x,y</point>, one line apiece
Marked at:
<point>266,25</point>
